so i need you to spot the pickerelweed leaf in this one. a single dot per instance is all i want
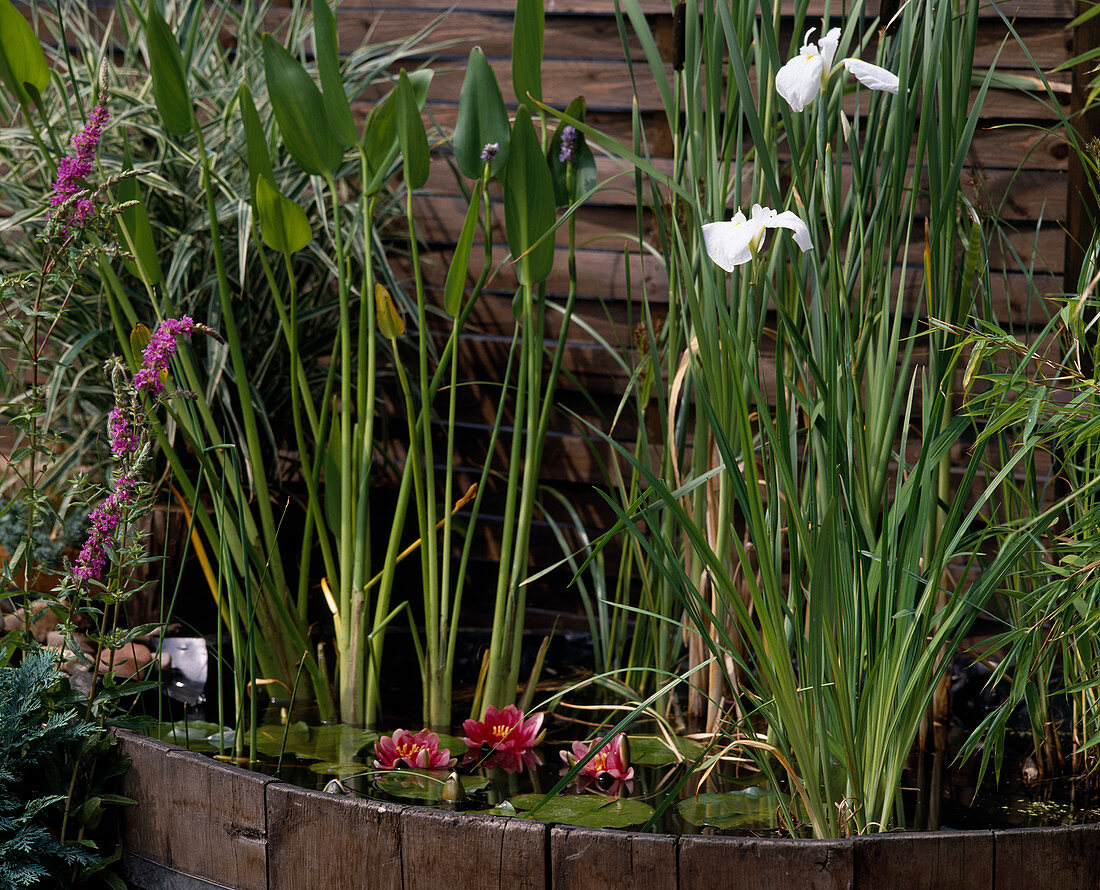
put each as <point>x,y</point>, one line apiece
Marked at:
<point>528,204</point>
<point>332,84</point>
<point>455,285</point>
<point>22,61</point>
<point>166,69</point>
<point>133,231</point>
<point>482,119</point>
<point>411,134</point>
<point>380,143</point>
<point>258,153</point>
<point>588,810</point>
<point>284,225</point>
<point>300,111</point>
<point>584,164</point>
<point>527,43</point>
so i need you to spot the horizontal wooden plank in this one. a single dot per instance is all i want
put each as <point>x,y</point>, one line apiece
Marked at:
<point>1046,43</point>
<point>606,86</point>
<point>1022,9</point>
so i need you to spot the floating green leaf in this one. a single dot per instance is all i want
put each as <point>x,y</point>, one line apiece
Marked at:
<point>191,734</point>
<point>482,119</point>
<point>300,111</point>
<point>588,810</point>
<point>23,65</point>
<point>528,204</point>
<point>752,807</point>
<point>341,769</point>
<point>415,784</point>
<point>283,224</point>
<point>460,262</point>
<point>331,743</point>
<point>167,72</point>
<point>584,164</point>
<point>527,42</point>
<point>411,134</point>
<point>655,751</point>
<point>332,84</point>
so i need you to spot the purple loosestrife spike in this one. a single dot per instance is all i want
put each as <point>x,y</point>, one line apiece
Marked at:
<point>490,151</point>
<point>158,352</point>
<point>72,174</point>
<point>568,144</point>
<point>120,431</point>
<point>105,519</point>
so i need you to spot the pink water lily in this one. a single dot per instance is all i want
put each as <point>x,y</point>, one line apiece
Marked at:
<point>610,762</point>
<point>506,731</point>
<point>413,750</point>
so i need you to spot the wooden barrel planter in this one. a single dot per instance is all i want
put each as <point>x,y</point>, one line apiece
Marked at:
<point>200,824</point>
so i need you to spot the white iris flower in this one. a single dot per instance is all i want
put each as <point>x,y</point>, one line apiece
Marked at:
<point>803,78</point>
<point>733,243</point>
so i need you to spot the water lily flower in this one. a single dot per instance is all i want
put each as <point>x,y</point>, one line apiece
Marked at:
<point>804,77</point>
<point>610,762</point>
<point>414,750</point>
<point>509,761</point>
<point>733,243</point>
<point>503,731</point>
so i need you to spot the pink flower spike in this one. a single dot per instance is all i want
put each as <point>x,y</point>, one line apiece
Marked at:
<point>503,731</point>
<point>159,351</point>
<point>413,750</point>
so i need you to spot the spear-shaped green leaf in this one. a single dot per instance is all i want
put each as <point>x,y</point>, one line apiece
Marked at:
<point>23,65</point>
<point>411,134</point>
<point>456,274</point>
<point>283,224</point>
<point>584,164</point>
<point>134,232</point>
<point>528,203</point>
<point>482,118</point>
<point>169,80</point>
<point>380,145</point>
<point>300,111</point>
<point>259,155</point>
<point>527,40</point>
<point>332,84</point>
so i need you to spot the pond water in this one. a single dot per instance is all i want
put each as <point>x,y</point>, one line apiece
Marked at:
<point>340,759</point>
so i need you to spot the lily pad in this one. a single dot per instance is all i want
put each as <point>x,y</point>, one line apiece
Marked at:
<point>586,810</point>
<point>342,770</point>
<point>655,750</point>
<point>747,807</point>
<point>416,784</point>
<point>332,743</point>
<point>191,734</point>
<point>452,743</point>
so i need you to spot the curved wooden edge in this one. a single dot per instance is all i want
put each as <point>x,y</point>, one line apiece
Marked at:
<point>198,818</point>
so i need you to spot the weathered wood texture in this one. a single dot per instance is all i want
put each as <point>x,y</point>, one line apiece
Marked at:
<point>198,823</point>
<point>936,861</point>
<point>441,849</point>
<point>713,863</point>
<point>591,859</point>
<point>323,840</point>
<point>1061,858</point>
